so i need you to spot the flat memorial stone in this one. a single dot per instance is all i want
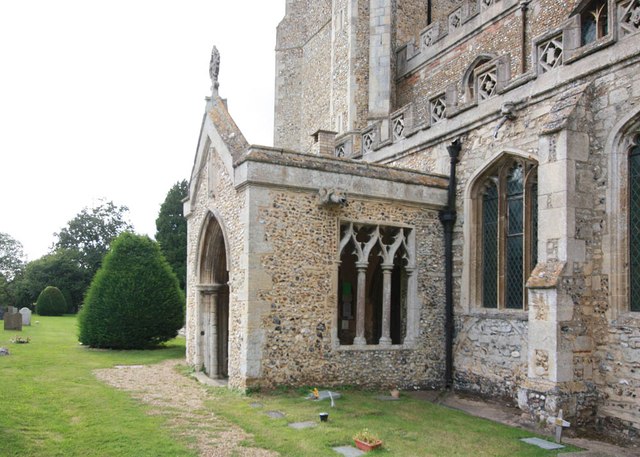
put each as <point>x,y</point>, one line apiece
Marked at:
<point>256,404</point>
<point>387,398</point>
<point>348,451</point>
<point>275,414</point>
<point>544,444</point>
<point>301,425</point>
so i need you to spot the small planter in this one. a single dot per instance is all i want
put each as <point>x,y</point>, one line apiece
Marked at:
<point>366,447</point>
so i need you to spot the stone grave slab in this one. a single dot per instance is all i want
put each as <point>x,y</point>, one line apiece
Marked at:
<point>13,321</point>
<point>275,414</point>
<point>387,398</point>
<point>348,451</point>
<point>544,444</point>
<point>301,425</point>
<point>256,404</point>
<point>26,315</point>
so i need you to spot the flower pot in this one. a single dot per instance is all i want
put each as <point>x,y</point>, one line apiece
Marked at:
<point>324,417</point>
<point>366,447</point>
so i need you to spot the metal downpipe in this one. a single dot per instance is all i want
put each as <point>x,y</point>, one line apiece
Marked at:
<point>448,219</point>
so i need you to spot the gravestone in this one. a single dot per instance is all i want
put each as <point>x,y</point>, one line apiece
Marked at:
<point>26,316</point>
<point>13,321</point>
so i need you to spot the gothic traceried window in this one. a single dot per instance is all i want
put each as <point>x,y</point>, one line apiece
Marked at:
<point>375,279</point>
<point>594,21</point>
<point>634,224</point>
<point>508,233</point>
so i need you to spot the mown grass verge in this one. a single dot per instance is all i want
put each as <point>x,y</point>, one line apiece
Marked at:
<point>408,427</point>
<point>52,405</point>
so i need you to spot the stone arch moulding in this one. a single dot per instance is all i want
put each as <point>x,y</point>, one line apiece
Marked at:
<point>469,290</point>
<point>212,299</point>
<point>213,216</point>
<point>616,263</point>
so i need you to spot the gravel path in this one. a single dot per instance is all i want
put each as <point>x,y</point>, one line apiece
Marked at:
<point>181,400</point>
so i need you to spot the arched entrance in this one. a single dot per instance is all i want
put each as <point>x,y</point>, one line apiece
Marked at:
<point>213,301</point>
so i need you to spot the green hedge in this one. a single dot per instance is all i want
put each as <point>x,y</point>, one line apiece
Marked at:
<point>134,300</point>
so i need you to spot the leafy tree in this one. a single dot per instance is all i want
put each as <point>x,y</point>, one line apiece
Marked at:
<point>171,231</point>
<point>91,231</point>
<point>6,297</point>
<point>11,257</point>
<point>134,300</point>
<point>51,302</point>
<point>60,269</point>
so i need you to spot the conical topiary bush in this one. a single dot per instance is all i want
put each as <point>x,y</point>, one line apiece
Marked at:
<point>134,300</point>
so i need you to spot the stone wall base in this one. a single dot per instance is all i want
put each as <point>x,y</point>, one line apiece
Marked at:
<point>578,401</point>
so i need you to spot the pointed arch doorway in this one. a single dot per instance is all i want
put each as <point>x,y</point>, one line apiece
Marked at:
<point>213,301</point>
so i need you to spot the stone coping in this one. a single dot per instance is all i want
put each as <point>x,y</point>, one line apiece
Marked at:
<point>263,154</point>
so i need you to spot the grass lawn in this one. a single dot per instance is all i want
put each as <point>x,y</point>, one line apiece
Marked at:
<point>52,405</point>
<point>407,427</point>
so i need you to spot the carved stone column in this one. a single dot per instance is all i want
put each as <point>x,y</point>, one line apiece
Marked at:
<point>360,340</point>
<point>385,339</point>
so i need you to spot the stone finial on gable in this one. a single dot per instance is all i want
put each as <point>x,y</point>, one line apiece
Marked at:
<point>214,69</point>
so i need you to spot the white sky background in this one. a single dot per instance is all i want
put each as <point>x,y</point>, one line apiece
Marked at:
<point>104,99</point>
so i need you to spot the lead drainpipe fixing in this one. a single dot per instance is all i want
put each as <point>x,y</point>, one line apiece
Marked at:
<point>448,219</point>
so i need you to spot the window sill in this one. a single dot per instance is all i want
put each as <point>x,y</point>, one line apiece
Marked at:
<point>505,314</point>
<point>373,347</point>
<point>585,50</point>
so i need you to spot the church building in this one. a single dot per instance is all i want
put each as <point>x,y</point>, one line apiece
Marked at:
<point>452,201</point>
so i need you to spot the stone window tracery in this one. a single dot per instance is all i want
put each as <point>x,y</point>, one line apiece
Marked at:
<point>438,109</point>
<point>398,127</point>
<point>455,19</point>
<point>471,77</point>
<point>486,83</point>
<point>594,21</point>
<point>368,139</point>
<point>550,54</point>
<point>376,281</point>
<point>484,4</point>
<point>507,233</point>
<point>629,17</point>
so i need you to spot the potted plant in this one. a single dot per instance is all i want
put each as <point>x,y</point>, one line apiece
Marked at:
<point>366,441</point>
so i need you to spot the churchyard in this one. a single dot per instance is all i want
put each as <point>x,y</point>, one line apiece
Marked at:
<point>54,404</point>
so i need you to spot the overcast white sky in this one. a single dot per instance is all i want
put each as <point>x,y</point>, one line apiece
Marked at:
<point>104,99</point>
